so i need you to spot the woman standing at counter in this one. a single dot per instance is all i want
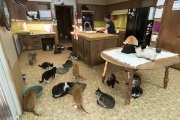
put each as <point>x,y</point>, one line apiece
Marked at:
<point>109,24</point>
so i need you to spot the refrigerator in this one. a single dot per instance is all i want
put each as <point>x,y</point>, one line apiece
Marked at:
<point>139,24</point>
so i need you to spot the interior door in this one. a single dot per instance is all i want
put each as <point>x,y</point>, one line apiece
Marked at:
<point>170,30</point>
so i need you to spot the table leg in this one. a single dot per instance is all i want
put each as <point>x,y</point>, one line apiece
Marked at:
<point>166,79</point>
<point>104,72</point>
<point>129,92</point>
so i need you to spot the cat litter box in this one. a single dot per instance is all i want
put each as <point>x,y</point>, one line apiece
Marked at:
<point>38,89</point>
<point>61,70</point>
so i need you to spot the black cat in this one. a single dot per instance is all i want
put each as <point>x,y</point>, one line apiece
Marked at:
<point>57,51</point>
<point>45,65</point>
<point>68,64</point>
<point>105,100</point>
<point>47,74</point>
<point>137,91</point>
<point>128,48</point>
<point>111,80</point>
<point>61,89</point>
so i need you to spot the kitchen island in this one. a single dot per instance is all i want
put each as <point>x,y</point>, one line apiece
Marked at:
<point>89,45</point>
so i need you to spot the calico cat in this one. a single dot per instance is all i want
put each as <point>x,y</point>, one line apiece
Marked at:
<point>29,102</point>
<point>76,92</point>
<point>137,91</point>
<point>68,64</point>
<point>61,89</point>
<point>105,100</point>
<point>76,71</point>
<point>136,80</point>
<point>32,57</point>
<point>47,74</point>
<point>45,65</point>
<point>111,80</point>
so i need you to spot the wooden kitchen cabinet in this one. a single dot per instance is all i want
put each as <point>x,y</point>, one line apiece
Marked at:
<point>17,12</point>
<point>90,46</point>
<point>25,42</point>
<point>36,42</point>
<point>99,11</point>
<point>32,6</point>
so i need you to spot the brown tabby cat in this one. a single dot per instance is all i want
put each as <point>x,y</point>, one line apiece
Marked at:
<point>76,92</point>
<point>29,102</point>
<point>76,71</point>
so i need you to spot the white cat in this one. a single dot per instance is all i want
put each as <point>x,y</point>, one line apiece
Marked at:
<point>148,53</point>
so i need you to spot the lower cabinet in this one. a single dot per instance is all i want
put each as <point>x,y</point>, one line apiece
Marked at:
<point>90,51</point>
<point>35,42</point>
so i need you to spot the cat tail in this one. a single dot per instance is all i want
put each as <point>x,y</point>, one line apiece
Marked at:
<point>117,81</point>
<point>35,113</point>
<point>40,65</point>
<point>41,80</point>
<point>82,108</point>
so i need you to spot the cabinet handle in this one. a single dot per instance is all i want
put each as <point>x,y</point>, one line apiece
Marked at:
<point>178,36</point>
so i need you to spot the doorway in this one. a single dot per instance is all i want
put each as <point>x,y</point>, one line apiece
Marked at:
<point>64,16</point>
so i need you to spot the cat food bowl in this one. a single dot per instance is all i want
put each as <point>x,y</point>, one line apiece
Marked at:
<point>61,70</point>
<point>37,88</point>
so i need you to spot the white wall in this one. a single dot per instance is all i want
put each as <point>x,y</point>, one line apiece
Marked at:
<point>8,45</point>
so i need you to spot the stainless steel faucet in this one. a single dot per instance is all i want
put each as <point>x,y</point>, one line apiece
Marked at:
<point>89,26</point>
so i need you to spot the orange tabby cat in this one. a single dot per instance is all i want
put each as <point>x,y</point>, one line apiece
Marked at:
<point>76,92</point>
<point>76,71</point>
<point>29,102</point>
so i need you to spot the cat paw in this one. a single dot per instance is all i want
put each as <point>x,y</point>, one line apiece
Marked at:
<point>47,81</point>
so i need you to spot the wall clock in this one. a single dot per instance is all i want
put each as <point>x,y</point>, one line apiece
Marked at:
<point>5,19</point>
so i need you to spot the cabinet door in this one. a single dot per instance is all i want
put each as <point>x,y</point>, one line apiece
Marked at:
<point>36,42</point>
<point>25,41</point>
<point>32,6</point>
<point>169,35</point>
<point>17,12</point>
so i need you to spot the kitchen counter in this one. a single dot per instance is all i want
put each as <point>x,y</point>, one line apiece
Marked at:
<point>94,36</point>
<point>89,45</point>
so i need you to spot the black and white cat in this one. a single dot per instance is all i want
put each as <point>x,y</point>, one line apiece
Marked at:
<point>45,65</point>
<point>74,56</point>
<point>68,64</point>
<point>137,91</point>
<point>111,80</point>
<point>47,74</point>
<point>61,89</point>
<point>105,100</point>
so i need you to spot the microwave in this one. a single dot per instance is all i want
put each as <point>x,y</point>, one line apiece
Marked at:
<point>45,15</point>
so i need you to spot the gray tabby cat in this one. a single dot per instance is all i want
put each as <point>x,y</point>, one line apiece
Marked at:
<point>105,100</point>
<point>32,57</point>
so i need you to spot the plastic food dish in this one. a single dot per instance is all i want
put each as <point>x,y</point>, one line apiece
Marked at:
<point>38,88</point>
<point>61,70</point>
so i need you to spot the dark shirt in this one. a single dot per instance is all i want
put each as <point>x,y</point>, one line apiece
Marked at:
<point>111,28</point>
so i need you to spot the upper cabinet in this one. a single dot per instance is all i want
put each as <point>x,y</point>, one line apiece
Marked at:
<point>99,11</point>
<point>35,6</point>
<point>17,12</point>
<point>32,6</point>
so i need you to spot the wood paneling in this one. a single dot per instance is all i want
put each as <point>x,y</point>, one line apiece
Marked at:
<point>170,29</point>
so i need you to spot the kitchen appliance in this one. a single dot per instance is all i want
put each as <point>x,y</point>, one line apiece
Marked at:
<point>139,24</point>
<point>45,15</point>
<point>87,20</point>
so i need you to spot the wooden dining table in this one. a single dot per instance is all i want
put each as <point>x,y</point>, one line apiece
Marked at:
<point>163,63</point>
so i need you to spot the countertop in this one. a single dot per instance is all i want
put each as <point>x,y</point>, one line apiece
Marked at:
<point>94,36</point>
<point>34,34</point>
